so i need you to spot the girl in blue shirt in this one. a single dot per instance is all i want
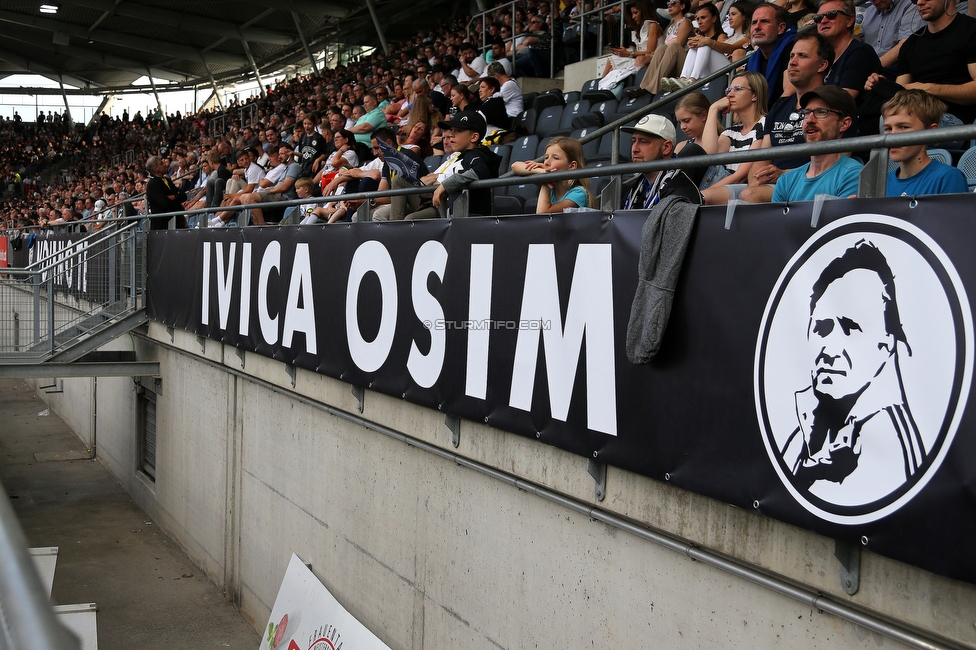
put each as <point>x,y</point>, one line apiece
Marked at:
<point>562,154</point>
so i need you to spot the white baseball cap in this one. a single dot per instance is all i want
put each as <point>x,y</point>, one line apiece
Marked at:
<point>653,125</point>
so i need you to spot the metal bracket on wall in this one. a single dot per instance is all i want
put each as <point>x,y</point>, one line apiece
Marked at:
<point>599,473</point>
<point>240,355</point>
<point>850,565</point>
<point>292,373</point>
<point>158,385</point>
<point>454,424</point>
<point>202,340</point>
<point>359,393</point>
<point>172,333</point>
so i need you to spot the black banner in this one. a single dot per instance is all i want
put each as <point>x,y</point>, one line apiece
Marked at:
<point>81,269</point>
<point>816,375</point>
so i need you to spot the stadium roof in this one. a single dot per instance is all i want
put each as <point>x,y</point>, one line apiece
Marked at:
<point>105,44</point>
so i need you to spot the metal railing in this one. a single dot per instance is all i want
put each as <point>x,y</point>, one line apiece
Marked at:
<point>512,6</point>
<point>601,12</point>
<point>72,287</point>
<point>27,619</point>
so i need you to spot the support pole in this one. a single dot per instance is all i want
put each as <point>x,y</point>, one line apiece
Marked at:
<point>308,50</point>
<point>220,102</point>
<point>376,22</point>
<point>158,102</point>
<point>254,66</point>
<point>67,110</point>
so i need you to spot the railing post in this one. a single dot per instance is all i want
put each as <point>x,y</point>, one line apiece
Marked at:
<point>111,273</point>
<point>50,313</point>
<point>131,245</point>
<point>16,332</point>
<point>37,308</point>
<point>615,147</point>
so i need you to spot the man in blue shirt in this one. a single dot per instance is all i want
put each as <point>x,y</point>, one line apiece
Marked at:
<point>828,112</point>
<point>917,173</point>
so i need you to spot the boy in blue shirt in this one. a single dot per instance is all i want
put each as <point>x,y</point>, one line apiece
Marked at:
<point>917,173</point>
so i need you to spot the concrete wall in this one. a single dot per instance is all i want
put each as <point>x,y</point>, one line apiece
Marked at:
<point>428,553</point>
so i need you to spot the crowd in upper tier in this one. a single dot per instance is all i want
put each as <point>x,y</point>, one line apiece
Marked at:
<point>425,114</point>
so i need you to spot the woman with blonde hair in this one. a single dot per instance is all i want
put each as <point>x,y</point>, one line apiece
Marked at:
<point>748,100</point>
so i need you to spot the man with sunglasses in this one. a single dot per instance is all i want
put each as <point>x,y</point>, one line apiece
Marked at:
<point>854,61</point>
<point>828,111</point>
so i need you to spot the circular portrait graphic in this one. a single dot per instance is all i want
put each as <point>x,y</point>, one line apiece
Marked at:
<point>863,366</point>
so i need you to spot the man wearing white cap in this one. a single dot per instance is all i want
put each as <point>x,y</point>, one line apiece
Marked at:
<point>653,139</point>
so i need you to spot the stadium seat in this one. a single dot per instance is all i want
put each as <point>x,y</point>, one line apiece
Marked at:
<point>505,152</point>
<point>548,121</point>
<point>592,84</point>
<point>526,192</point>
<point>433,162</point>
<point>941,155</point>
<point>632,104</point>
<point>607,107</point>
<point>541,150</point>
<point>528,100</point>
<point>548,99</point>
<point>571,97</point>
<point>590,149</point>
<point>524,149</point>
<point>569,113</point>
<point>967,165</point>
<point>525,121</point>
<point>597,183</point>
<point>508,205</point>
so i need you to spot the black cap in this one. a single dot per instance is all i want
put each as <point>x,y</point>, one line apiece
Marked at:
<point>466,120</point>
<point>835,97</point>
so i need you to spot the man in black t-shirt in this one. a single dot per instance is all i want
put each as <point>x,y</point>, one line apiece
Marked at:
<point>810,59</point>
<point>854,61</point>
<point>311,148</point>
<point>941,60</point>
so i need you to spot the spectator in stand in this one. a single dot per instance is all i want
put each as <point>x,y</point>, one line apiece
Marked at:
<point>312,147</point>
<point>827,112</point>
<point>668,60</point>
<point>917,173</point>
<point>472,65</point>
<point>810,60</point>
<point>370,121</point>
<point>854,61</point>
<point>773,37</point>
<point>562,154</point>
<point>510,90</point>
<point>533,52</point>
<point>163,196</point>
<point>284,190</point>
<point>885,24</point>
<point>493,105</point>
<point>747,99</point>
<point>941,60</point>
<point>646,36</point>
<point>653,139</point>
<point>706,53</point>
<point>475,163</point>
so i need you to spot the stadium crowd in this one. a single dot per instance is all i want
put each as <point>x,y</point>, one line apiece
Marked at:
<point>450,91</point>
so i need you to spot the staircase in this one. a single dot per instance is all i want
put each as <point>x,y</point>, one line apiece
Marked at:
<point>77,293</point>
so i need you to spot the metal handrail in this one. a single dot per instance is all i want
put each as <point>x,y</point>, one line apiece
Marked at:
<point>552,31</point>
<point>99,234</point>
<point>27,619</point>
<point>599,37</point>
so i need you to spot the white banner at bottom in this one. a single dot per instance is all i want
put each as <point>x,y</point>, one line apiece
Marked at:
<point>307,617</point>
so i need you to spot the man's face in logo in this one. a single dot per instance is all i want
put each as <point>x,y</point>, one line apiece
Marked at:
<point>848,334</point>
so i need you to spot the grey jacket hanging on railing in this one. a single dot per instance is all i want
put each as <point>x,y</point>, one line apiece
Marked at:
<point>664,240</point>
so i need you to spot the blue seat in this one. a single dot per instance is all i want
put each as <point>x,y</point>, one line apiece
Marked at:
<point>506,204</point>
<point>526,191</point>
<point>505,152</point>
<point>597,183</point>
<point>528,100</point>
<point>967,165</point>
<point>433,162</point>
<point>541,150</point>
<point>571,111</point>
<point>571,97</point>
<point>548,122</point>
<point>941,155</point>
<point>526,120</point>
<point>548,99</point>
<point>524,149</point>
<point>591,149</point>
<point>607,107</point>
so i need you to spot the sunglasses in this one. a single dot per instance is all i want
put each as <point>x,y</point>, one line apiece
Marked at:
<point>736,89</point>
<point>819,113</point>
<point>829,15</point>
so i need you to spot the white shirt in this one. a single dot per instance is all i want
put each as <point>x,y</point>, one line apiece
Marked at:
<point>513,97</point>
<point>478,65</point>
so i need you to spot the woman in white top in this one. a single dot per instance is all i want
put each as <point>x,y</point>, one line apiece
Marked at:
<point>667,60</point>
<point>705,54</point>
<point>647,35</point>
<point>748,100</point>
